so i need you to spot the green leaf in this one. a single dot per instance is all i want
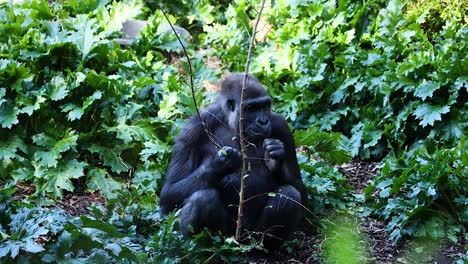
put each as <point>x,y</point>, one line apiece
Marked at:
<point>85,37</point>
<point>2,96</point>
<point>426,89</point>
<point>59,177</point>
<point>50,157</point>
<point>75,112</point>
<point>428,114</point>
<point>327,145</point>
<point>111,157</point>
<point>155,147</point>
<point>8,114</point>
<point>57,88</point>
<point>9,149</point>
<point>100,225</point>
<point>372,58</point>
<point>107,186</point>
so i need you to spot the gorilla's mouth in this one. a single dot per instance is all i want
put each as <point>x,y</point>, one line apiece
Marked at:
<point>258,132</point>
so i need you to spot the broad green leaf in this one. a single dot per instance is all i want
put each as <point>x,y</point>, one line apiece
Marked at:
<point>85,36</point>
<point>49,158</point>
<point>8,115</point>
<point>426,89</point>
<point>57,88</point>
<point>107,186</point>
<point>111,158</point>
<point>59,177</point>
<point>372,58</point>
<point>100,225</point>
<point>9,149</point>
<point>155,147</point>
<point>327,145</point>
<point>428,114</point>
<point>76,112</point>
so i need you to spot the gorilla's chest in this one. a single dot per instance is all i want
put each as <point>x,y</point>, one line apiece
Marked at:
<point>259,180</point>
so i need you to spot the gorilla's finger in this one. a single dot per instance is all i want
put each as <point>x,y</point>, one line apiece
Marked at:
<point>274,147</point>
<point>277,153</point>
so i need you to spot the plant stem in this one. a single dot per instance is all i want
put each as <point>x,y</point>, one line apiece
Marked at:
<point>240,211</point>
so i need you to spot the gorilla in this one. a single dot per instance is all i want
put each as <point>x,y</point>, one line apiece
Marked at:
<point>203,181</point>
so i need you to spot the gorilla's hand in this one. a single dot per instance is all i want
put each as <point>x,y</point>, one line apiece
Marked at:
<point>274,152</point>
<point>227,160</point>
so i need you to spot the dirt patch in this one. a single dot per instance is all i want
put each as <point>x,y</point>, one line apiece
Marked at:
<point>382,250</point>
<point>452,252</point>
<point>359,175</point>
<point>23,191</point>
<point>76,205</point>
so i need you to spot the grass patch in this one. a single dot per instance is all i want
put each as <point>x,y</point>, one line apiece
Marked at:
<point>344,242</point>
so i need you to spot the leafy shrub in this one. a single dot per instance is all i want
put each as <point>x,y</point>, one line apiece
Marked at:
<point>366,69</point>
<point>423,193</point>
<point>326,186</point>
<point>366,78</point>
<point>73,103</point>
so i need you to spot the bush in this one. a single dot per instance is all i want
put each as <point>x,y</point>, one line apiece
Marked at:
<point>423,193</point>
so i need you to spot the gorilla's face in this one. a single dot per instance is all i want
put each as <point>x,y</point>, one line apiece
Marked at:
<point>257,117</point>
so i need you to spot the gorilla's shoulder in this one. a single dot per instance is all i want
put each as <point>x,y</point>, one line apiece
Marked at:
<point>279,126</point>
<point>194,130</point>
<point>278,121</point>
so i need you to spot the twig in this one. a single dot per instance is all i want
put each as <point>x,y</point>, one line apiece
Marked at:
<point>208,133</point>
<point>240,211</point>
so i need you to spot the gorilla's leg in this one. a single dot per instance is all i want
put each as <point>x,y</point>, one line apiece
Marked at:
<point>280,217</point>
<point>203,208</point>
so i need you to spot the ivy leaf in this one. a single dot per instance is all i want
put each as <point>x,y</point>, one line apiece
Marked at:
<point>428,114</point>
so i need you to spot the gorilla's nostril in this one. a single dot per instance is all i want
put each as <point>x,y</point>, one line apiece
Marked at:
<point>262,121</point>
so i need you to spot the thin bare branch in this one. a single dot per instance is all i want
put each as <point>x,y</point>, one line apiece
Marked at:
<point>208,133</point>
<point>240,211</point>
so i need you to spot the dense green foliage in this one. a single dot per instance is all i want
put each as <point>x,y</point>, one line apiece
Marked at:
<point>423,194</point>
<point>355,79</point>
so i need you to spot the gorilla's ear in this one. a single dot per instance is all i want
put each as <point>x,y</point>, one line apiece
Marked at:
<point>231,105</point>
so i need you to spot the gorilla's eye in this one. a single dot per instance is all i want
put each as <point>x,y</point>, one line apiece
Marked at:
<point>231,105</point>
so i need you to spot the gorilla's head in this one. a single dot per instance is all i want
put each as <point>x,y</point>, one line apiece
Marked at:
<point>256,106</point>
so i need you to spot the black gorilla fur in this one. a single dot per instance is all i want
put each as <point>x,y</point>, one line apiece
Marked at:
<point>204,182</point>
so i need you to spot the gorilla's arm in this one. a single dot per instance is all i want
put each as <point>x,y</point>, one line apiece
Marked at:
<point>195,163</point>
<point>289,171</point>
